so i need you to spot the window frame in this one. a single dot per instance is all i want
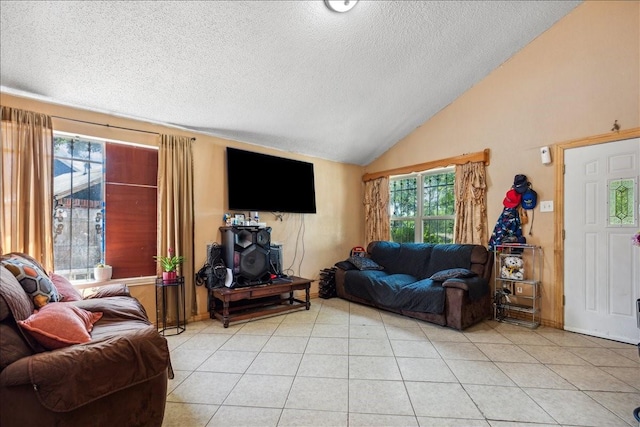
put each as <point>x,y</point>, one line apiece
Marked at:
<point>151,243</point>
<point>419,218</point>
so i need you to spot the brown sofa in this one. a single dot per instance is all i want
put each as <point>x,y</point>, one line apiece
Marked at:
<point>118,378</point>
<point>446,284</point>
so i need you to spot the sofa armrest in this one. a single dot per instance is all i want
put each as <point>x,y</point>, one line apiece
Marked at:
<point>114,290</point>
<point>98,368</point>
<point>476,286</point>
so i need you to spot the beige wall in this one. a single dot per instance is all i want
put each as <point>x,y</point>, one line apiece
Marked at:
<point>315,241</point>
<point>571,82</point>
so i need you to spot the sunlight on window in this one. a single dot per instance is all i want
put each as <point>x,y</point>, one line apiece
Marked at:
<point>78,217</point>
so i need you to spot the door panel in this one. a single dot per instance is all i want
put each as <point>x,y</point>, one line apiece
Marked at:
<point>602,273</point>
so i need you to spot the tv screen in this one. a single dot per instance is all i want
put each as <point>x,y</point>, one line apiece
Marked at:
<point>260,182</point>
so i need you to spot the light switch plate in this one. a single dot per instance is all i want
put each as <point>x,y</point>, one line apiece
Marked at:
<point>546,206</point>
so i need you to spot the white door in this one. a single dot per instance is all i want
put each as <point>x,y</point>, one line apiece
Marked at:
<point>602,267</point>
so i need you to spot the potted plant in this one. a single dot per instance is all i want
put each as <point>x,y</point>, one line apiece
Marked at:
<point>102,272</point>
<point>169,265</point>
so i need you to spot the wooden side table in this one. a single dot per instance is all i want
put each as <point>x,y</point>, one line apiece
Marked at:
<point>248,311</point>
<point>170,293</point>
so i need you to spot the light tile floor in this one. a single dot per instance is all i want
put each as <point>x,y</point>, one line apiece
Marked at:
<point>344,364</point>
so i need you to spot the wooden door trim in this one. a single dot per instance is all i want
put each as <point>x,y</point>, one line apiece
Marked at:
<point>559,150</point>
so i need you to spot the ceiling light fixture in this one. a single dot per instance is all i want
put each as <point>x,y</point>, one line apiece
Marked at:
<point>340,5</point>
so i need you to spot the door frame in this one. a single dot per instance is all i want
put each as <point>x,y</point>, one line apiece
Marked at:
<point>559,150</point>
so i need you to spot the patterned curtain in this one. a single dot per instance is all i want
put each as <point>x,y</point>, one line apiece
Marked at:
<point>26,213</point>
<point>471,205</point>
<point>175,208</point>
<point>376,210</point>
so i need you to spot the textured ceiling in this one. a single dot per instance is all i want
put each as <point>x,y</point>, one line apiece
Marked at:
<point>290,75</point>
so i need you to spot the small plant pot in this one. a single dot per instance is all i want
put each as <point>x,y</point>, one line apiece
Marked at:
<point>102,274</point>
<point>169,276</point>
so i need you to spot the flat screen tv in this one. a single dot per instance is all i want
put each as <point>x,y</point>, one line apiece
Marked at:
<point>260,182</point>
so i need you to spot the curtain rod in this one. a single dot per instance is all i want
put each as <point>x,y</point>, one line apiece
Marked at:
<point>480,156</point>
<point>109,126</point>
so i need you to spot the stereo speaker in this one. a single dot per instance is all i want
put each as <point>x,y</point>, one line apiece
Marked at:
<point>275,257</point>
<point>246,252</point>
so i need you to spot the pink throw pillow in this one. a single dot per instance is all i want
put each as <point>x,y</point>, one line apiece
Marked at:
<point>65,288</point>
<point>58,325</point>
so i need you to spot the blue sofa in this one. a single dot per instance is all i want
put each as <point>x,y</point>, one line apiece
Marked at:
<point>446,284</point>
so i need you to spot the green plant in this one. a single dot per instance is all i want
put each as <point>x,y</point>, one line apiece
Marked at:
<point>171,262</point>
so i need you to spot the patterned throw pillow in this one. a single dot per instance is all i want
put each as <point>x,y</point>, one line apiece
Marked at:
<point>363,263</point>
<point>452,273</point>
<point>33,280</point>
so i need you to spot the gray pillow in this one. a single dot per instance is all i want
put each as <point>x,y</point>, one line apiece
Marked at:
<point>452,273</point>
<point>363,263</point>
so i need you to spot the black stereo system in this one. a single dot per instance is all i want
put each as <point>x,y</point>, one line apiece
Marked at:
<point>246,251</point>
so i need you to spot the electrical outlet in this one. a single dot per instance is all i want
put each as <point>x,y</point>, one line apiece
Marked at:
<point>546,206</point>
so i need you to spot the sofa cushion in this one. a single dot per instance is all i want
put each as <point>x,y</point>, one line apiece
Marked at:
<point>60,325</point>
<point>345,265</point>
<point>397,291</point>
<point>446,256</point>
<point>112,290</point>
<point>131,355</point>
<point>364,263</point>
<point>65,289</point>
<point>32,278</point>
<point>476,286</point>
<point>425,296</point>
<point>452,273</point>
<point>387,255</point>
<point>5,311</point>
<point>402,258</point>
<point>13,347</point>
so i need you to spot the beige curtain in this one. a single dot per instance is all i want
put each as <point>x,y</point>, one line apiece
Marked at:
<point>471,205</point>
<point>376,210</point>
<point>26,213</point>
<point>175,208</point>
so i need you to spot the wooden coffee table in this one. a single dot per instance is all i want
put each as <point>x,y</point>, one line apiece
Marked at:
<point>260,308</point>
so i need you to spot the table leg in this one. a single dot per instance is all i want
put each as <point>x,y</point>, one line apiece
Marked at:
<point>306,291</point>
<point>225,313</point>
<point>164,309</point>
<point>291,297</point>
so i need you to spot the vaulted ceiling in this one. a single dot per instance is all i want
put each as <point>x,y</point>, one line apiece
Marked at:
<point>291,75</point>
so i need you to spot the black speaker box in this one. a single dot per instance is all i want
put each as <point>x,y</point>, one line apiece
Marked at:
<point>275,255</point>
<point>246,252</point>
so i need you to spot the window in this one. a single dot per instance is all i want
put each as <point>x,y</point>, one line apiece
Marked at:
<point>622,202</point>
<point>422,207</point>
<point>105,207</point>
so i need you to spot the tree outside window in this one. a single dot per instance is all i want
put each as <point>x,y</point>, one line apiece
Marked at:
<point>431,220</point>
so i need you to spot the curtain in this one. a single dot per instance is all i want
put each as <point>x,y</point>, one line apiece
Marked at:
<point>471,205</point>
<point>26,213</point>
<point>175,209</point>
<point>376,210</point>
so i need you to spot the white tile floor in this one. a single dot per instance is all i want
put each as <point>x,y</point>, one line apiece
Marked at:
<point>344,364</point>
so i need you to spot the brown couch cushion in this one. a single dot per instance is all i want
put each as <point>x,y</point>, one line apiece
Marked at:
<point>4,309</point>
<point>18,302</point>
<point>99,368</point>
<point>13,346</point>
